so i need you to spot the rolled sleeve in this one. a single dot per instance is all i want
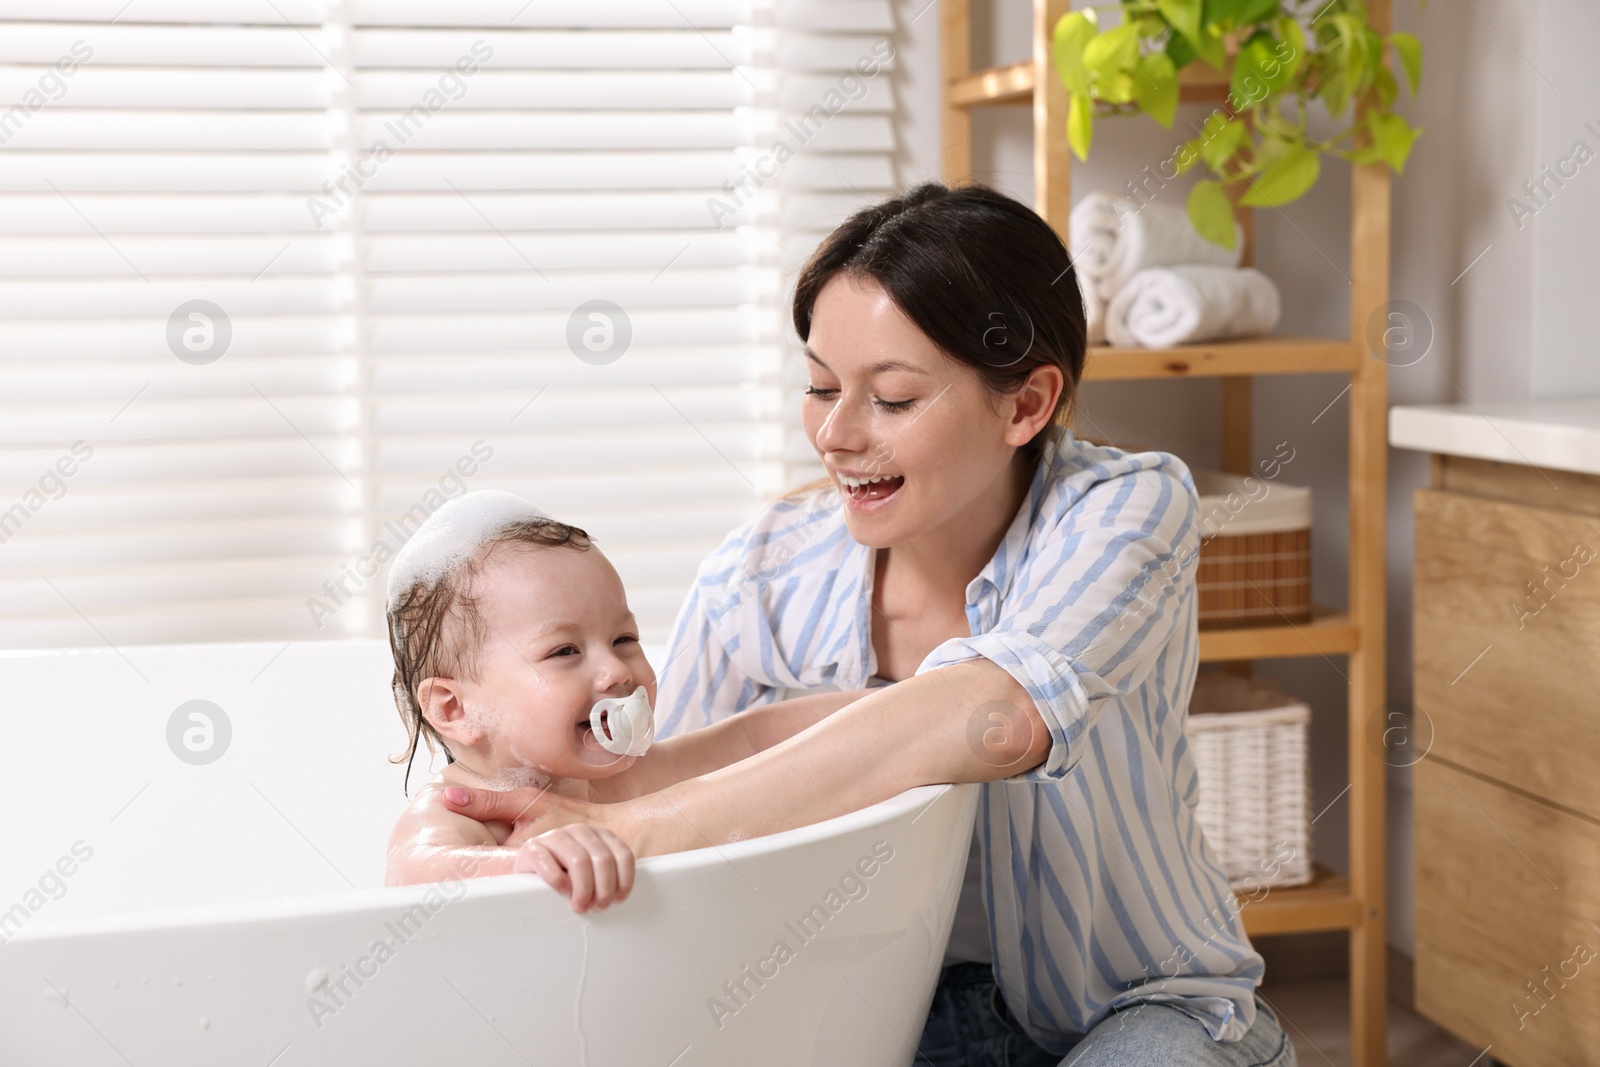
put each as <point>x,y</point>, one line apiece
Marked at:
<point>1095,606</point>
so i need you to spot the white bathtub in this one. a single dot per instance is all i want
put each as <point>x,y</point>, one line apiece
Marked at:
<point>163,912</point>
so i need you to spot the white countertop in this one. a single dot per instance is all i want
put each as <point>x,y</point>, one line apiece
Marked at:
<point>1559,434</point>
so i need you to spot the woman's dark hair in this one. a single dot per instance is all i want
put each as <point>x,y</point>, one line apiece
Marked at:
<point>436,629</point>
<point>981,274</point>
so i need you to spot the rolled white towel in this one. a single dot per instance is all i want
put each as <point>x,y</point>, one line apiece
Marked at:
<point>1167,306</point>
<point>1094,315</point>
<point>1112,238</point>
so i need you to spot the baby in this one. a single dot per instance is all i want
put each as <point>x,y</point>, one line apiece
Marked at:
<point>515,651</point>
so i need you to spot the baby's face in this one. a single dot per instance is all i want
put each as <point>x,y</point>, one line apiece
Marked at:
<point>558,637</point>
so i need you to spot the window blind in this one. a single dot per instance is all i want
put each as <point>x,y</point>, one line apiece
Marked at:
<point>147,164</point>
<point>835,62</point>
<point>278,279</point>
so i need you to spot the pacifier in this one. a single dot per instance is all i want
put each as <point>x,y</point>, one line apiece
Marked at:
<point>630,722</point>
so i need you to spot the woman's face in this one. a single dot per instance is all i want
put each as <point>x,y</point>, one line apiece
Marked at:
<point>885,403</point>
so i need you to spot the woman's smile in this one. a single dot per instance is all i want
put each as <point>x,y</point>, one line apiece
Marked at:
<point>864,492</point>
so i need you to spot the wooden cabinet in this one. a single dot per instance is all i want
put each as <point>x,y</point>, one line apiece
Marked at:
<point>1507,800</point>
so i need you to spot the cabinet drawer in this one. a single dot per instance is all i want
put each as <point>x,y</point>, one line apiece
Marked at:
<point>1507,889</point>
<point>1507,643</point>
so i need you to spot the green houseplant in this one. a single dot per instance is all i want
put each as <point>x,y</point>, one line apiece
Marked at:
<point>1285,56</point>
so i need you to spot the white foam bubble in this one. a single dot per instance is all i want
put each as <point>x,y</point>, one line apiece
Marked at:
<point>453,534</point>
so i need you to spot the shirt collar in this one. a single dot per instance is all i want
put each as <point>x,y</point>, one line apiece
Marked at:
<point>1058,439</point>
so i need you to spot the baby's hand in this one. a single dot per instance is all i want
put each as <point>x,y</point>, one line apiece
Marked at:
<point>592,865</point>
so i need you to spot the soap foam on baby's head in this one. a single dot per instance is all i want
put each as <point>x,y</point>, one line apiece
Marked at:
<point>452,535</point>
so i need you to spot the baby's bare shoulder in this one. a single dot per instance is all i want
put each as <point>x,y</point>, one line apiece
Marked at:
<point>429,822</point>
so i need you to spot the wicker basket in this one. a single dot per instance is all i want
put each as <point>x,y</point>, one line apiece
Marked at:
<point>1255,551</point>
<point>1250,747</point>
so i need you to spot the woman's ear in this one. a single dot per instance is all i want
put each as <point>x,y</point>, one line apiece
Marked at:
<point>1034,404</point>
<point>446,711</point>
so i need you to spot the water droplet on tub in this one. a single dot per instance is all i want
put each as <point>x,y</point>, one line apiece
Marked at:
<point>57,995</point>
<point>115,983</point>
<point>316,978</point>
<point>177,981</point>
<point>205,1024</point>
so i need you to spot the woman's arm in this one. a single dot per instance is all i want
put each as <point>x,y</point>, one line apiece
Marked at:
<point>968,722</point>
<point>729,740</point>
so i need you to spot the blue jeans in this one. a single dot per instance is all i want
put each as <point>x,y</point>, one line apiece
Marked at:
<point>970,1026</point>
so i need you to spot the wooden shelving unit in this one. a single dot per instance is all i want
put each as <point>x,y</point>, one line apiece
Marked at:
<point>1331,901</point>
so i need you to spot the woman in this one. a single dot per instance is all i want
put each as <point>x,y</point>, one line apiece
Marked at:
<point>1024,604</point>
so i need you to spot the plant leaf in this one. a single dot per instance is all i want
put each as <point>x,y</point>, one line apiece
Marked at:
<point>1220,143</point>
<point>1293,170</point>
<point>1080,125</point>
<point>1211,214</point>
<point>1180,51</point>
<point>1371,56</point>
<point>1258,73</point>
<point>1392,136</point>
<point>1365,155</point>
<point>1117,88</point>
<point>1223,14</point>
<point>1386,88</point>
<point>1185,16</point>
<point>1073,32</point>
<point>1256,11</point>
<point>1294,39</point>
<point>1409,49</point>
<point>1114,50</point>
<point>1156,87</point>
<point>1342,54</point>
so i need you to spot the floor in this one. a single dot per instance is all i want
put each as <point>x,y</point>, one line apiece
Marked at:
<point>1317,1016</point>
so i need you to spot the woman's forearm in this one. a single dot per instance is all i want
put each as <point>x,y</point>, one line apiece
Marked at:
<point>969,722</point>
<point>729,740</point>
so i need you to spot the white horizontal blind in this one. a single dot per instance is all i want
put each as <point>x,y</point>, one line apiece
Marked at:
<point>835,61</point>
<point>397,205</point>
<point>146,164</point>
<point>572,166</point>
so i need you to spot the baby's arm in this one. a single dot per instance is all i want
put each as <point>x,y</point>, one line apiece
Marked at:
<point>431,843</point>
<point>734,738</point>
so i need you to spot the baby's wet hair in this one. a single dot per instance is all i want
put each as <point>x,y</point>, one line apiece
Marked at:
<point>437,630</point>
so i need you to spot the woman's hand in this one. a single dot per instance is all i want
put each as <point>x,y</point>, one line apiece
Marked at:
<point>590,864</point>
<point>531,811</point>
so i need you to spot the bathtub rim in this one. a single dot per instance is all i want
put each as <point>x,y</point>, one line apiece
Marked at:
<point>491,886</point>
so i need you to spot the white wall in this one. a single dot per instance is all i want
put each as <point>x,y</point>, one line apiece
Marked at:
<point>1518,323</point>
<point>1566,258</point>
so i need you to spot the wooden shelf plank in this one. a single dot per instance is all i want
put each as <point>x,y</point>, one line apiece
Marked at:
<point>1200,81</point>
<point>1329,633</point>
<point>1013,84</point>
<point>997,85</point>
<point>1324,903</point>
<point>1258,355</point>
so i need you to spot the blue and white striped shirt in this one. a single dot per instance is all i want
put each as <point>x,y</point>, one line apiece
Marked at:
<point>1100,888</point>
